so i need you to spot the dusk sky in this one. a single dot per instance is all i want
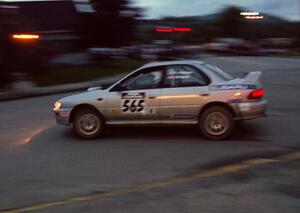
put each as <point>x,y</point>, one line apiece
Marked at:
<point>289,9</point>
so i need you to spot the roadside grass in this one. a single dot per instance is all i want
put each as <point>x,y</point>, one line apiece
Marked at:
<point>74,74</point>
<point>290,53</point>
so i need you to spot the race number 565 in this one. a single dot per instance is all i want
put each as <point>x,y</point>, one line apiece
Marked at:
<point>133,105</point>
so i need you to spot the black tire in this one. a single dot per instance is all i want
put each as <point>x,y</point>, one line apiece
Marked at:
<point>216,123</point>
<point>88,124</point>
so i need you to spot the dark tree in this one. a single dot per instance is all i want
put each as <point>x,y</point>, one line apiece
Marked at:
<point>16,57</point>
<point>112,24</point>
<point>231,22</point>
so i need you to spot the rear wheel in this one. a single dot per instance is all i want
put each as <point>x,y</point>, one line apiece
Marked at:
<point>88,124</point>
<point>216,123</point>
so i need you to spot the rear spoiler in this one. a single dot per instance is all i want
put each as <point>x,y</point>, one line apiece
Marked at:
<point>253,76</point>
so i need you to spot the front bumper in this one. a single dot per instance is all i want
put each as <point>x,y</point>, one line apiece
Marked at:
<point>250,110</point>
<point>62,116</point>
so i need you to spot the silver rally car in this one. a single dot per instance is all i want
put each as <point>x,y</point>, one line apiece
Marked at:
<point>167,93</point>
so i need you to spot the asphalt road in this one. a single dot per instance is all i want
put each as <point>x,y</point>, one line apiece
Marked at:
<point>42,162</point>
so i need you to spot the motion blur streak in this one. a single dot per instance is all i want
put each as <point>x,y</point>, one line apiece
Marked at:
<point>249,13</point>
<point>254,17</point>
<point>183,29</point>
<point>25,37</point>
<point>163,30</point>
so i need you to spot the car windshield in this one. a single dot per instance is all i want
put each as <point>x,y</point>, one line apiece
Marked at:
<point>225,76</point>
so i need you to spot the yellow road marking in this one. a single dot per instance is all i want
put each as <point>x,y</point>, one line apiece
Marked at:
<point>292,156</point>
<point>33,133</point>
<point>160,183</point>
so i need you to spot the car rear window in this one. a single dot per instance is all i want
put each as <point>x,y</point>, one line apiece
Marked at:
<point>184,76</point>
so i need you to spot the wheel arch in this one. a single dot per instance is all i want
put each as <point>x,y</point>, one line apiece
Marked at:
<point>83,106</point>
<point>219,104</point>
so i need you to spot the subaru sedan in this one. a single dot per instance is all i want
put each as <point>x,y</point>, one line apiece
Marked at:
<point>167,93</point>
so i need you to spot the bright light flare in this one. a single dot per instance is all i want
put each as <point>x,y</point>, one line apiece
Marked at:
<point>171,30</point>
<point>164,30</point>
<point>57,105</point>
<point>254,17</point>
<point>27,37</point>
<point>182,29</point>
<point>238,94</point>
<point>249,13</point>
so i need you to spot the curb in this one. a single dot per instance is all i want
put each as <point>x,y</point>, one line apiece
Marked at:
<point>43,91</point>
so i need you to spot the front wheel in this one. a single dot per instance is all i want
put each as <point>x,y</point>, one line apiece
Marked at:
<point>216,123</point>
<point>88,124</point>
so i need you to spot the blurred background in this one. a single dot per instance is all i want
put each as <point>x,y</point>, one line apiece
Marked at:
<point>52,49</point>
<point>46,43</point>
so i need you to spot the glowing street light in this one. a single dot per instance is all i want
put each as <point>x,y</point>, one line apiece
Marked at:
<point>249,13</point>
<point>254,17</point>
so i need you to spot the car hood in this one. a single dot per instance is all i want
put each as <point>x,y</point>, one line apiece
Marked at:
<point>83,97</point>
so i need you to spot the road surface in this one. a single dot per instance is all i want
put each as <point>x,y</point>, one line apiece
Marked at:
<point>42,162</point>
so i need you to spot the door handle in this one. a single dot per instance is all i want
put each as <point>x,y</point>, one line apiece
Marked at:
<point>151,97</point>
<point>204,94</point>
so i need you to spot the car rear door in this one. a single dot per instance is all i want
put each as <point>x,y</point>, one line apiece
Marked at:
<point>184,92</point>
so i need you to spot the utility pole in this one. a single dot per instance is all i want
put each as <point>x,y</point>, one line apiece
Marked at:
<point>298,21</point>
<point>298,2</point>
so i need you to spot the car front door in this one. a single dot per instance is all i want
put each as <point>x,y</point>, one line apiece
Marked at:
<point>134,100</point>
<point>184,92</point>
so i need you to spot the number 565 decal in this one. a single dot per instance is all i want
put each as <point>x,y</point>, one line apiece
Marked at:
<point>133,105</point>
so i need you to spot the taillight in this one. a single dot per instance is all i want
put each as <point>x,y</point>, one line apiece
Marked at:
<point>256,94</point>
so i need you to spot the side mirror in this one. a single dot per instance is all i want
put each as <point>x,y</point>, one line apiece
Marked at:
<point>91,89</point>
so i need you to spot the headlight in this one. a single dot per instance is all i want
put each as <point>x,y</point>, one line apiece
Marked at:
<point>57,105</point>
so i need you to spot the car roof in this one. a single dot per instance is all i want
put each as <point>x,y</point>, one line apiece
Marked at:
<point>168,63</point>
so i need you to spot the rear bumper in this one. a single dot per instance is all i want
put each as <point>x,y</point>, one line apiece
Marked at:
<point>250,110</point>
<point>62,116</point>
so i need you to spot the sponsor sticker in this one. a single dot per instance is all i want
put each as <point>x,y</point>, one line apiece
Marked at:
<point>231,87</point>
<point>133,95</point>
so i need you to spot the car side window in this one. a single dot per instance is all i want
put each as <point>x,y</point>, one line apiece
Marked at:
<point>184,76</point>
<point>148,79</point>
